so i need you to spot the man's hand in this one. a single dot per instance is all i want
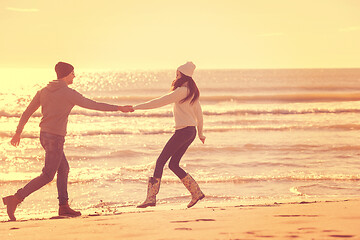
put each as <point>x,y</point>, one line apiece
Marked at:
<point>126,108</point>
<point>15,141</point>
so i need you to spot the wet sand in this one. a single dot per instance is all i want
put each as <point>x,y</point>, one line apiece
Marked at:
<point>305,220</point>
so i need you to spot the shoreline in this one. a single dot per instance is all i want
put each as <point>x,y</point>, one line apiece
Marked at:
<point>105,208</point>
<point>336,219</point>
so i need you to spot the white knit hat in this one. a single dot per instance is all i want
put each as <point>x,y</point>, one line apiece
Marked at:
<point>187,69</point>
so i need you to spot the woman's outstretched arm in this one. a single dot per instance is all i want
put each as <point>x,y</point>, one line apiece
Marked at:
<point>174,96</point>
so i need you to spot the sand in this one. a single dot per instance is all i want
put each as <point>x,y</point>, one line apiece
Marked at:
<point>305,220</point>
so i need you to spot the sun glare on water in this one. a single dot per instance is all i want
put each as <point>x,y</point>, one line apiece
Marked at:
<point>18,86</point>
<point>24,78</point>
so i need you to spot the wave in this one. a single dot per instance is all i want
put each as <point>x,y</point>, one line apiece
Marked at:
<point>118,154</point>
<point>118,176</point>
<point>256,98</point>
<point>281,112</point>
<point>4,113</point>
<point>282,178</point>
<point>326,189</point>
<point>218,112</point>
<point>215,129</point>
<point>309,97</point>
<point>291,97</point>
<point>336,127</point>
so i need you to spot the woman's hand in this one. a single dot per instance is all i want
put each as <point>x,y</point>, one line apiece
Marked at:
<point>202,138</point>
<point>15,141</point>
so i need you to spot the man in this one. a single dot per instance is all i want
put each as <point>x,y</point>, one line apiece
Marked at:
<point>56,101</point>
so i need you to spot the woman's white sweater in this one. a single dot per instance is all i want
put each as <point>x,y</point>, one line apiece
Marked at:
<point>185,114</point>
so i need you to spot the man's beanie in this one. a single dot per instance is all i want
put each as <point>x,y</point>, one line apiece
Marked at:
<point>63,69</point>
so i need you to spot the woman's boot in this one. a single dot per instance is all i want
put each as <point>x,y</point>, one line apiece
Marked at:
<point>194,189</point>
<point>153,189</point>
<point>11,203</point>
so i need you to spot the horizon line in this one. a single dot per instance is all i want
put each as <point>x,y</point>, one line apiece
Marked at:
<point>198,69</point>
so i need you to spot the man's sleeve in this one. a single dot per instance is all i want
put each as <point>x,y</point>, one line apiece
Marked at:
<point>81,101</point>
<point>31,108</point>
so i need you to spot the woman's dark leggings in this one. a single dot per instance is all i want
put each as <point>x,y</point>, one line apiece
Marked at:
<point>175,148</point>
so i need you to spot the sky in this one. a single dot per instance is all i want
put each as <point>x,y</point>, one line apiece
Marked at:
<point>162,34</point>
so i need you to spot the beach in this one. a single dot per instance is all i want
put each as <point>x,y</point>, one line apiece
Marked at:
<point>302,220</point>
<point>277,155</point>
<point>285,136</point>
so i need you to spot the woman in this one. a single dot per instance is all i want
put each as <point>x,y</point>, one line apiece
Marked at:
<point>188,114</point>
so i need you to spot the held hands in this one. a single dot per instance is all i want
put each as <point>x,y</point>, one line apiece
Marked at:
<point>126,109</point>
<point>15,141</point>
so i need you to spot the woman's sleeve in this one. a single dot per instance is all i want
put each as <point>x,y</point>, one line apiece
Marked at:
<point>199,118</point>
<point>174,96</point>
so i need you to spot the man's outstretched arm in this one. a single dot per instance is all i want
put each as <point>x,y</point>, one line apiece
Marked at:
<point>84,102</point>
<point>31,108</point>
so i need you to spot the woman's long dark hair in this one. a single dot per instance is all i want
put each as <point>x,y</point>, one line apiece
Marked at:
<point>193,89</point>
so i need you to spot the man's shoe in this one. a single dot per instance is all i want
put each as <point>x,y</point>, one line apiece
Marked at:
<point>65,210</point>
<point>11,203</point>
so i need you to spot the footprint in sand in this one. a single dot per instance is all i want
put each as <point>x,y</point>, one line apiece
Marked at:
<point>296,215</point>
<point>187,229</point>
<point>180,221</point>
<point>196,220</point>
<point>307,228</point>
<point>205,220</point>
<point>265,236</point>
<point>341,236</point>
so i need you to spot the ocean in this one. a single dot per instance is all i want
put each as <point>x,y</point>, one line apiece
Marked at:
<point>273,135</point>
